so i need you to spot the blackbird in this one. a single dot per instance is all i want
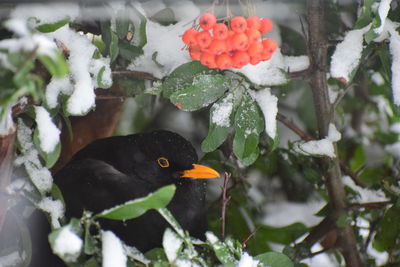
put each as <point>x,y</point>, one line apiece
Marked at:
<point>113,170</point>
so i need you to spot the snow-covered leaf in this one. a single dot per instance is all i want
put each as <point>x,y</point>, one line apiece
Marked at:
<point>204,90</point>
<point>274,259</point>
<point>249,124</point>
<point>182,77</point>
<point>172,244</point>
<point>221,250</point>
<point>137,207</point>
<point>220,121</point>
<point>113,253</point>
<point>51,27</point>
<point>66,243</point>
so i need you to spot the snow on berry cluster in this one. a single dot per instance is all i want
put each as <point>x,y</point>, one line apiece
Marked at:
<point>222,47</point>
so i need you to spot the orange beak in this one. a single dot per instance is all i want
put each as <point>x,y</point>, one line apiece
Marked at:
<point>200,172</point>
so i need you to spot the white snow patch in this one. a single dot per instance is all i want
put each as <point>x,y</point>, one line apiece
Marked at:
<point>6,123</point>
<point>296,63</point>
<point>333,92</point>
<point>55,87</point>
<point>53,207</point>
<point>323,147</point>
<point>383,11</point>
<point>377,78</point>
<point>49,134</point>
<point>222,112</point>
<point>112,250</point>
<point>81,52</point>
<point>11,260</point>
<point>247,261</point>
<point>171,244</point>
<point>211,237</point>
<point>395,128</point>
<point>269,106</point>
<point>267,73</point>
<point>395,51</point>
<point>67,244</point>
<point>364,194</point>
<point>347,54</point>
<point>393,149</point>
<point>95,67</point>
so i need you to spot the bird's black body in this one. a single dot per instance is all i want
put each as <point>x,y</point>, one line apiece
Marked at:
<point>117,169</point>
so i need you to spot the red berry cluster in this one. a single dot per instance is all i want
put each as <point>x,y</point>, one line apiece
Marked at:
<point>235,46</point>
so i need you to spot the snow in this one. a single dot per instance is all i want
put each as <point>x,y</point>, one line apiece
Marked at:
<point>364,194</point>
<point>171,244</point>
<point>81,51</point>
<point>57,12</point>
<point>95,66</point>
<point>347,55</point>
<point>112,250</point>
<point>377,78</point>
<point>333,92</point>
<point>222,111</point>
<point>49,134</point>
<point>247,261</point>
<point>393,149</point>
<point>323,147</point>
<point>394,46</point>
<point>11,260</point>
<point>269,107</point>
<point>67,244</point>
<point>53,207</point>
<point>266,73</point>
<point>40,176</point>
<point>383,11</point>
<point>296,63</point>
<point>55,87</point>
<point>395,128</point>
<point>211,237</point>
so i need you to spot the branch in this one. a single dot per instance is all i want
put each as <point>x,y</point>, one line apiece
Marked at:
<point>224,202</point>
<point>318,49</point>
<point>135,74</point>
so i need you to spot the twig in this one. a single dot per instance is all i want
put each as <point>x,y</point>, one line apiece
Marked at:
<point>224,202</point>
<point>371,205</point>
<point>244,242</point>
<point>292,126</point>
<point>134,74</point>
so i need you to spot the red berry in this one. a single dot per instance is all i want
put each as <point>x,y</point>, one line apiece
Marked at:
<point>195,52</point>
<point>240,58</point>
<point>240,41</point>
<point>204,39</point>
<point>220,31</point>
<point>253,22</point>
<point>253,35</point>
<point>207,21</point>
<point>255,60</point>
<point>217,47</point>
<point>207,59</point>
<point>189,37</point>
<point>270,45</point>
<point>266,55</point>
<point>223,61</point>
<point>266,25</point>
<point>255,48</point>
<point>238,24</point>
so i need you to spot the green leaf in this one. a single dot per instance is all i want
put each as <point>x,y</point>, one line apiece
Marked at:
<point>358,159</point>
<point>182,77</point>
<point>142,29</point>
<point>282,235</point>
<point>366,14</point>
<point>137,207</point>
<point>387,237</point>
<point>249,123</point>
<point>128,51</point>
<point>220,121</point>
<point>114,47</point>
<point>51,27</point>
<point>121,25</point>
<point>56,64</point>
<point>100,79</point>
<point>204,90</point>
<point>221,250</point>
<point>274,259</point>
<point>165,16</point>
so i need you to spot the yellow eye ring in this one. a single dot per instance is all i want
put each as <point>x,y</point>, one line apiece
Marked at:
<point>163,162</point>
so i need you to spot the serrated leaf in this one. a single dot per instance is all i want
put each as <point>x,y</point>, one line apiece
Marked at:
<point>204,90</point>
<point>182,77</point>
<point>249,124</point>
<point>137,207</point>
<point>220,121</point>
<point>52,27</point>
<point>274,259</point>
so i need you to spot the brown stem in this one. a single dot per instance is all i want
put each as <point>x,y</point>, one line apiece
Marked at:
<point>224,202</point>
<point>6,163</point>
<point>134,74</point>
<point>318,48</point>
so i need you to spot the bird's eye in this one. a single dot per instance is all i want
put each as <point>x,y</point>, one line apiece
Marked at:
<point>163,162</point>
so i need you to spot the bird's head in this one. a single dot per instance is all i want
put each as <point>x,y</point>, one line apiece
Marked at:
<point>167,154</point>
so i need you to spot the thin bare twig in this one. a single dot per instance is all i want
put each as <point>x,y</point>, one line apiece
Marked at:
<point>244,242</point>
<point>224,202</point>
